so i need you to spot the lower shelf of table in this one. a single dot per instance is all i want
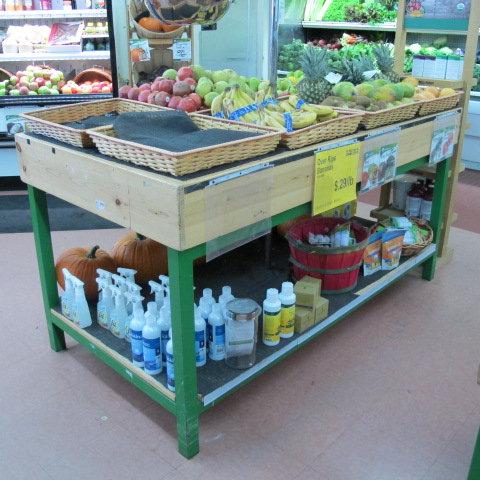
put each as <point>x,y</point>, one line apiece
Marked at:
<point>248,275</point>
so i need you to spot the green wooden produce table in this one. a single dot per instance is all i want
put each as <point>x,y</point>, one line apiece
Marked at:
<point>175,212</point>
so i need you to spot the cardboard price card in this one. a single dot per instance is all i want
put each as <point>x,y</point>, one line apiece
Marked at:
<point>335,176</point>
<point>379,166</point>
<point>445,137</point>
<point>182,49</point>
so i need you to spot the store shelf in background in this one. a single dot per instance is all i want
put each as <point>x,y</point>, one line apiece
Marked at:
<point>45,56</point>
<point>56,14</point>
<point>51,99</point>
<point>384,27</point>
<point>95,35</point>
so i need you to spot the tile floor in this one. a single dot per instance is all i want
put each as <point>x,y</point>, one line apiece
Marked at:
<point>389,394</point>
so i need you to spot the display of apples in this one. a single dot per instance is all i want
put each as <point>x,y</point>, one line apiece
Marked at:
<point>190,88</point>
<point>35,80</point>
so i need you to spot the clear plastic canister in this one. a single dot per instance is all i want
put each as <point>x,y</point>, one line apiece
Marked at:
<point>241,327</point>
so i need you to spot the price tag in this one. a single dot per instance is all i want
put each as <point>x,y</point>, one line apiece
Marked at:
<point>139,50</point>
<point>445,137</point>
<point>182,49</point>
<point>335,176</point>
<point>333,78</point>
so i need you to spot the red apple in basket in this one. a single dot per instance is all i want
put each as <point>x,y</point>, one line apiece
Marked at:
<point>187,105</point>
<point>185,72</point>
<point>174,101</point>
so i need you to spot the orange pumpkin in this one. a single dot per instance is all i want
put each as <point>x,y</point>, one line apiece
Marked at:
<point>83,264</point>
<point>146,256</point>
<point>284,227</point>
<point>151,24</point>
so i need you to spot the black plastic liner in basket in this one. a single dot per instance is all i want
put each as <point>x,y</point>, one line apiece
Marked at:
<point>93,121</point>
<point>171,130</point>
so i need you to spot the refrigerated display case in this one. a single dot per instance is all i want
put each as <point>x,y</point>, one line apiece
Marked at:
<point>43,48</point>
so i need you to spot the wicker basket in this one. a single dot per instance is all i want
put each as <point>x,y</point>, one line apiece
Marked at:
<point>138,11</point>
<point>345,124</point>
<point>388,116</point>
<point>429,107</point>
<point>94,73</point>
<point>5,74</point>
<point>410,250</point>
<point>49,122</point>
<point>182,163</point>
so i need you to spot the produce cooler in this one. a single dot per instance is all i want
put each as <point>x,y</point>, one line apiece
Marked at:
<point>45,50</point>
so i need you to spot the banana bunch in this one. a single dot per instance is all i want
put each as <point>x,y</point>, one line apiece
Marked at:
<point>287,114</point>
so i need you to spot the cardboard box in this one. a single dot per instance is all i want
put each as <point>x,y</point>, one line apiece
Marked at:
<point>303,319</point>
<point>307,294</point>
<point>321,310</point>
<point>315,281</point>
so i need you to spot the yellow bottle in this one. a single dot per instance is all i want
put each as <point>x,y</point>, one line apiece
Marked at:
<point>271,318</point>
<point>287,314</point>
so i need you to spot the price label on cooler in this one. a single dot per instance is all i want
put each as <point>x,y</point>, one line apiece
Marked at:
<point>182,49</point>
<point>335,176</point>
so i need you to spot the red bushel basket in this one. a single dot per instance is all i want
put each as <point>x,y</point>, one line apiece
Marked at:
<point>337,267</point>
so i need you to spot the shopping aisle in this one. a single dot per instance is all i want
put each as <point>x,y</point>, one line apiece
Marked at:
<point>388,394</point>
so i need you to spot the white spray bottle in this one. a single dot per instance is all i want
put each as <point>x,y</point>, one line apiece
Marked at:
<point>207,294</point>
<point>152,353</point>
<point>105,303</point>
<point>165,324</point>
<point>136,327</point>
<point>170,366</point>
<point>164,281</point>
<point>131,289</point>
<point>225,297</point>
<point>157,289</point>
<point>119,317</point>
<point>67,296</point>
<point>127,273</point>
<point>216,334</point>
<point>200,339</point>
<point>82,315</point>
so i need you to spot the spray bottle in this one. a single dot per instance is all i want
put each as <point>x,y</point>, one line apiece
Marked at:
<point>164,281</point>
<point>200,339</point>
<point>165,324</point>
<point>119,317</point>
<point>170,366</point>
<point>82,315</point>
<point>287,314</point>
<point>127,273</point>
<point>132,290</point>
<point>104,275</point>
<point>152,354</point>
<point>271,318</point>
<point>216,333</point>
<point>157,289</point>
<point>226,296</point>
<point>67,296</point>
<point>105,303</point>
<point>136,327</point>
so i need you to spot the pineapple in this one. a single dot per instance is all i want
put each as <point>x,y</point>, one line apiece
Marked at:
<point>313,88</point>
<point>353,70</point>
<point>385,63</point>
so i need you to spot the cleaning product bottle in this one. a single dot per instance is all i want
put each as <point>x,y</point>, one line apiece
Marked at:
<point>170,369</point>
<point>165,282</point>
<point>208,295</point>
<point>271,318</point>
<point>132,290</point>
<point>127,273</point>
<point>205,308</point>
<point>152,354</point>
<point>136,328</point>
<point>82,315</point>
<point>119,316</point>
<point>216,333</point>
<point>165,324</point>
<point>225,297</point>
<point>67,296</point>
<point>157,289</point>
<point>105,303</point>
<point>287,314</point>
<point>414,199</point>
<point>200,339</point>
<point>427,202</point>
<point>104,275</point>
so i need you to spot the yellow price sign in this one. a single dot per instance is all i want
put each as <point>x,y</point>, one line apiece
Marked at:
<point>335,176</point>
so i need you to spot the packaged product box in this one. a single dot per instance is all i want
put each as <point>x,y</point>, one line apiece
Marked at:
<point>307,294</point>
<point>392,243</point>
<point>321,310</point>
<point>303,319</point>
<point>315,281</point>
<point>372,256</point>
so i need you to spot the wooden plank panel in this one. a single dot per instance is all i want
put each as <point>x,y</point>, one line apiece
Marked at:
<point>292,186</point>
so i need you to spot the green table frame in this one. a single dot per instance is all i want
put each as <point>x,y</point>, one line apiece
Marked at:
<point>185,405</point>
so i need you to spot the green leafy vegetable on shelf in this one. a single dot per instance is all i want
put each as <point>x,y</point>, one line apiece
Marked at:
<point>363,11</point>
